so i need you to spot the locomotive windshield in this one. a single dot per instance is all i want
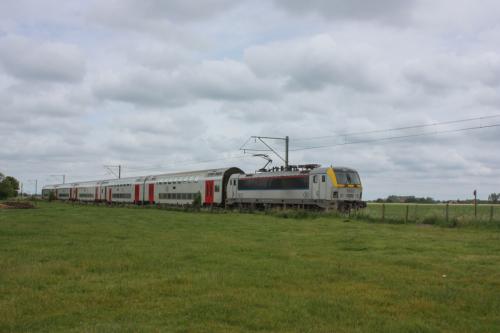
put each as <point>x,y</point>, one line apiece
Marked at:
<point>347,177</point>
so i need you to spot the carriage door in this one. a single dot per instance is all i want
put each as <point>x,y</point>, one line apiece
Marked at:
<point>109,194</point>
<point>316,184</point>
<point>96,197</point>
<point>136,193</point>
<point>209,192</point>
<point>151,192</point>
<point>322,187</point>
<point>234,188</point>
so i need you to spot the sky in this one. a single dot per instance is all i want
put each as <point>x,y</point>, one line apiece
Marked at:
<point>159,86</point>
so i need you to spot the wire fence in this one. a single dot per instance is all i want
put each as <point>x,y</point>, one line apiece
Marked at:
<point>431,213</point>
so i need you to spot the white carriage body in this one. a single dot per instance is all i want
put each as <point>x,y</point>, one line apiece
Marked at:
<point>173,188</point>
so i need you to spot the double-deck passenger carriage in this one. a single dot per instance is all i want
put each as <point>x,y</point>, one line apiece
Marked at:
<point>174,189</point>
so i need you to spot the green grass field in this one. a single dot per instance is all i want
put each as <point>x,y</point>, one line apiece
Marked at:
<point>100,269</point>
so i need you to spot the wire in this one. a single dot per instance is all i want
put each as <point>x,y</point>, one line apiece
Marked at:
<point>400,128</point>
<point>397,137</point>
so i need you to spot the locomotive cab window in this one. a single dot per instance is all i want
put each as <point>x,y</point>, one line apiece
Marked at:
<point>347,177</point>
<point>315,179</point>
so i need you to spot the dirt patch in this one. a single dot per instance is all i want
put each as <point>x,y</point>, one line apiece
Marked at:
<point>16,205</point>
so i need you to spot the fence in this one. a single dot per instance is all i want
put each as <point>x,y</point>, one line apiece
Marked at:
<point>431,213</point>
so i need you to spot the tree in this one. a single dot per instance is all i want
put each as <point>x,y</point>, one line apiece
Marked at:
<point>8,187</point>
<point>5,190</point>
<point>494,197</point>
<point>14,183</point>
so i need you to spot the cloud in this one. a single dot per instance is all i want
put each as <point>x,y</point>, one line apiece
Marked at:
<point>167,20</point>
<point>173,10</point>
<point>312,64</point>
<point>215,80</point>
<point>445,72</point>
<point>28,59</point>
<point>386,10</point>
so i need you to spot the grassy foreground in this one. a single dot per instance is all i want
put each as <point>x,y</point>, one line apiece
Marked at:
<point>98,269</point>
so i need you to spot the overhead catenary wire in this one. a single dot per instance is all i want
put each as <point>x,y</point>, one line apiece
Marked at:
<point>449,122</point>
<point>396,137</point>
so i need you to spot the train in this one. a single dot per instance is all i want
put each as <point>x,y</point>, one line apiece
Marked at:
<point>309,186</point>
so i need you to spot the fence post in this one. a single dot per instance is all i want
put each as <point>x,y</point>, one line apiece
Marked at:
<point>406,215</point>
<point>447,206</point>
<point>491,213</point>
<point>383,212</point>
<point>475,206</point>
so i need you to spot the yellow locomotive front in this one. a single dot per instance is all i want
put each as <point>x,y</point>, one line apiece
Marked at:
<point>346,191</point>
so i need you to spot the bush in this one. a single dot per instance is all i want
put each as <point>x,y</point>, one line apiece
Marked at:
<point>52,196</point>
<point>431,220</point>
<point>197,200</point>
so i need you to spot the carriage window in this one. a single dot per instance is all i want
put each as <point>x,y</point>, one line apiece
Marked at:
<point>315,179</point>
<point>323,178</point>
<point>217,189</point>
<point>274,183</point>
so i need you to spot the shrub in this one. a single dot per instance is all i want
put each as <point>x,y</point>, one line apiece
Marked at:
<point>52,196</point>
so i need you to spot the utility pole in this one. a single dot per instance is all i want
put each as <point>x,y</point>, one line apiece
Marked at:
<point>269,148</point>
<point>287,141</point>
<point>111,167</point>
<point>475,203</point>
<point>36,185</point>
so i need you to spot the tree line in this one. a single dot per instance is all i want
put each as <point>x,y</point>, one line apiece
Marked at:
<point>492,198</point>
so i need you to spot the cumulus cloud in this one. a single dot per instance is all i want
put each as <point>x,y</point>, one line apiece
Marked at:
<point>174,10</point>
<point>29,59</point>
<point>311,63</point>
<point>386,10</point>
<point>217,80</point>
<point>448,71</point>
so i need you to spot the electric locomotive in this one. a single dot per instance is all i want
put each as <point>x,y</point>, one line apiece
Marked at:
<point>304,186</point>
